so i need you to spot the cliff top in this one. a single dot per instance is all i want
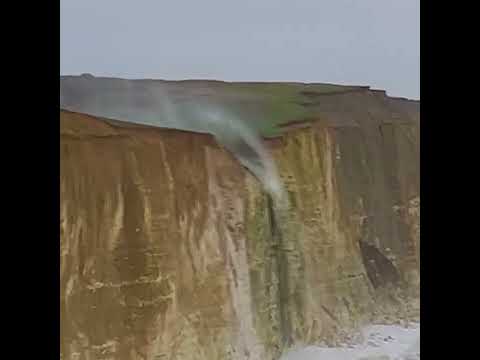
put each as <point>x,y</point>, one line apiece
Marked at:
<point>270,108</point>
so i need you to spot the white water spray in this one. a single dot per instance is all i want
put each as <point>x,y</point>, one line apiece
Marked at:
<point>246,145</point>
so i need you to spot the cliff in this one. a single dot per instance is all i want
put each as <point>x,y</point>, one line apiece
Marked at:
<point>170,249</point>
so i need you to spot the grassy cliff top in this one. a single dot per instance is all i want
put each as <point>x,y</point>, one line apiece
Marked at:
<point>265,106</point>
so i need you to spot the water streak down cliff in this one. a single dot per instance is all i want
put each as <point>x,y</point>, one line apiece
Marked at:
<point>170,249</point>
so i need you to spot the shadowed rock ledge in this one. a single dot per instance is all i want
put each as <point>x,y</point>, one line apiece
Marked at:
<point>170,249</point>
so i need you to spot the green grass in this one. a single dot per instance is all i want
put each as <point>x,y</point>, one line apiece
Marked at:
<point>264,106</point>
<point>276,103</point>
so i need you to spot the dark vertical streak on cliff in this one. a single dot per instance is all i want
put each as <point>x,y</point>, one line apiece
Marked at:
<point>282,273</point>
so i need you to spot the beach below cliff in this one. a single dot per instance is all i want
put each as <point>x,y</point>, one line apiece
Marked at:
<point>380,342</point>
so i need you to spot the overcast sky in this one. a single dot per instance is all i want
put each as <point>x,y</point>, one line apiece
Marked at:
<point>355,42</point>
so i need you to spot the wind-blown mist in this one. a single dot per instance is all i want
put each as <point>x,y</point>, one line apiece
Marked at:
<point>245,144</point>
<point>233,133</point>
<point>151,103</point>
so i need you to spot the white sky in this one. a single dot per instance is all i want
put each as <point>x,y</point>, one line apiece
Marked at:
<point>355,42</point>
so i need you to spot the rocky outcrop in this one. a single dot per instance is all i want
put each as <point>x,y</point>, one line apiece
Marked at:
<point>170,249</point>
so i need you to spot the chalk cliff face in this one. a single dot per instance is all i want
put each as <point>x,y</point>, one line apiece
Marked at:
<point>170,249</point>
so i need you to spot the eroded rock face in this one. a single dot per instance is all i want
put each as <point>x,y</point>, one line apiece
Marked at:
<point>171,250</point>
